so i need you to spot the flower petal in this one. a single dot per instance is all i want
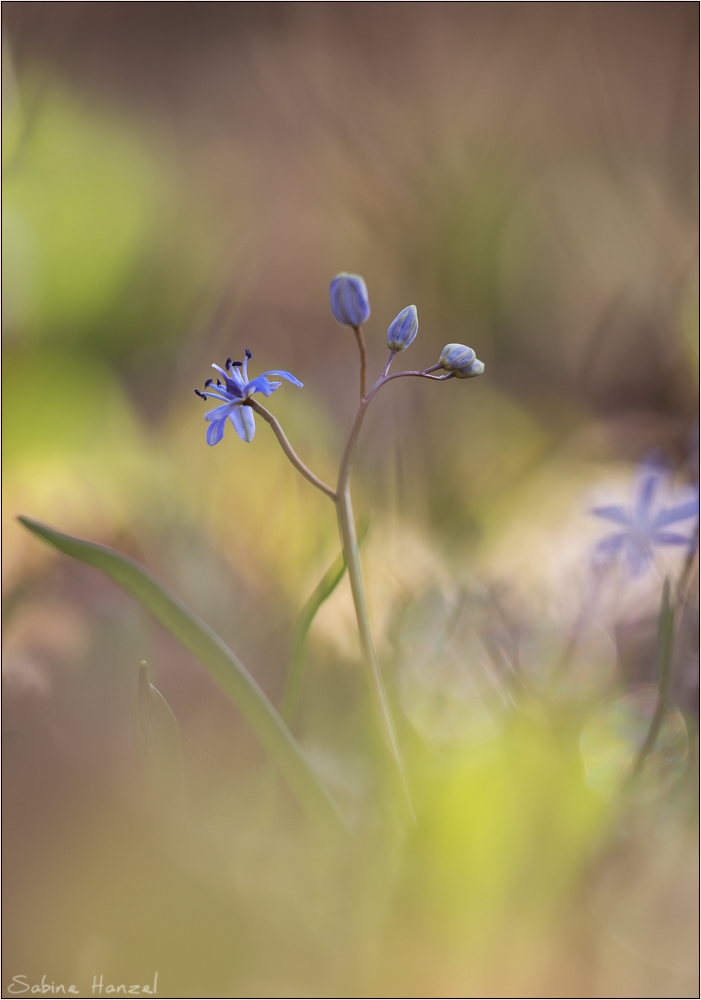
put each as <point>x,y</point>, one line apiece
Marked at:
<point>244,422</point>
<point>215,431</point>
<point>638,557</point>
<point>617,514</point>
<point>285,375</point>
<point>261,384</point>
<point>221,412</point>
<point>610,545</point>
<point>668,538</point>
<point>670,515</point>
<point>647,491</point>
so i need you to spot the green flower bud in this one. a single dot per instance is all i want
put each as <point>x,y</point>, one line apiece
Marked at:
<point>456,356</point>
<point>470,371</point>
<point>403,329</point>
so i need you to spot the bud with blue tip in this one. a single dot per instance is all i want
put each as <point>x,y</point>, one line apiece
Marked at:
<point>454,356</point>
<point>470,371</point>
<point>349,299</point>
<point>403,329</point>
<point>460,361</point>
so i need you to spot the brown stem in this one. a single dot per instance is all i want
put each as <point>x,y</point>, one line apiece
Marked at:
<point>390,359</point>
<point>422,374</point>
<point>358,331</point>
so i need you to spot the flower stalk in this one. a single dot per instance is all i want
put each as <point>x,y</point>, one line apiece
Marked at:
<point>351,308</point>
<point>358,331</point>
<point>289,450</point>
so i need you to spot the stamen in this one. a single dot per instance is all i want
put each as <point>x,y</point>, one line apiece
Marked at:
<point>201,394</point>
<point>209,381</point>
<point>248,353</point>
<point>237,364</point>
<point>228,362</point>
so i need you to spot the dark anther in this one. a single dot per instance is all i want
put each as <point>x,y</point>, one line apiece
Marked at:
<point>209,381</point>
<point>219,382</point>
<point>201,394</point>
<point>237,364</point>
<point>248,353</point>
<point>228,363</point>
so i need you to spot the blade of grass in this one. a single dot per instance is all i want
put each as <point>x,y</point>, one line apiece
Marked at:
<point>213,654</point>
<point>323,590</point>
<point>665,638</point>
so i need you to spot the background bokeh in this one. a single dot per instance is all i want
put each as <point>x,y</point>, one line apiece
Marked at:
<point>181,182</point>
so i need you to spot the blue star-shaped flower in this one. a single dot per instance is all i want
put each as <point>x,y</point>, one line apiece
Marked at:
<point>642,526</point>
<point>235,390</point>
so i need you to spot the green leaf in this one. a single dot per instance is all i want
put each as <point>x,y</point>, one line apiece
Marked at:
<point>213,654</point>
<point>323,590</point>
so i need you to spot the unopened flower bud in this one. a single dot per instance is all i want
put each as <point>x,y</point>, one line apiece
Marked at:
<point>456,356</point>
<point>349,299</point>
<point>469,371</point>
<point>403,329</point>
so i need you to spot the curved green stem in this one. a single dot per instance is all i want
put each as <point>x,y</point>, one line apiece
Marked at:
<point>323,590</point>
<point>349,540</point>
<point>289,450</point>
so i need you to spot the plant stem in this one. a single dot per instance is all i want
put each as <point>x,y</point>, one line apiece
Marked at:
<point>349,540</point>
<point>342,498</point>
<point>665,634</point>
<point>358,331</point>
<point>321,593</point>
<point>390,359</point>
<point>685,576</point>
<point>289,450</point>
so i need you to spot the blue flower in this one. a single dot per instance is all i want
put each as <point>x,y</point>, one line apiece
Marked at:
<point>642,526</point>
<point>349,299</point>
<point>234,390</point>
<point>403,329</point>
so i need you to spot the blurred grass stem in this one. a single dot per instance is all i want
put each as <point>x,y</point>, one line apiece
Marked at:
<point>665,635</point>
<point>687,569</point>
<point>586,612</point>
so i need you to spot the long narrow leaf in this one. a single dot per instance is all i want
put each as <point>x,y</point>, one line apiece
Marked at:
<point>212,653</point>
<point>323,590</point>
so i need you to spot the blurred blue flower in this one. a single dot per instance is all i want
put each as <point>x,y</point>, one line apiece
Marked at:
<point>349,299</point>
<point>234,391</point>
<point>643,526</point>
<point>403,329</point>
